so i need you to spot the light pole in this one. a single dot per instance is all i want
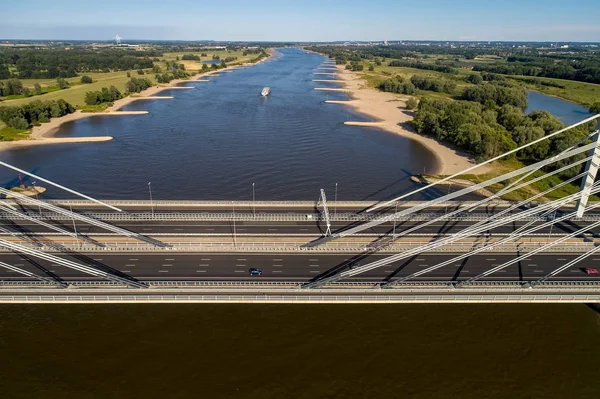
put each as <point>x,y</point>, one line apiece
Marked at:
<point>335,202</point>
<point>253,201</point>
<point>233,205</point>
<point>394,232</point>
<point>552,225</point>
<point>151,202</point>
<point>36,196</point>
<point>74,227</point>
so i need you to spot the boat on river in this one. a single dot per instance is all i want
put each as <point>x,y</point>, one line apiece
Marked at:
<point>265,91</point>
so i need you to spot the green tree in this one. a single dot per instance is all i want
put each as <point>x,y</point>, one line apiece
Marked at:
<point>140,71</point>
<point>86,79</point>
<point>62,83</point>
<point>595,108</point>
<point>411,103</point>
<point>371,68</point>
<point>37,88</point>
<point>128,74</point>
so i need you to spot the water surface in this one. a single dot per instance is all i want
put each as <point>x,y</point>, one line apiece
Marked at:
<point>214,140</point>
<point>566,111</point>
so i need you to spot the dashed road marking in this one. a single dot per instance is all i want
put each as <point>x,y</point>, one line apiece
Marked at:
<point>203,264</point>
<point>163,271</point>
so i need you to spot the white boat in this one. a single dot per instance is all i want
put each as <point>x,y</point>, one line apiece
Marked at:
<point>265,91</point>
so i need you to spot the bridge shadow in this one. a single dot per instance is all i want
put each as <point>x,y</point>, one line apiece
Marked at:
<point>40,267</point>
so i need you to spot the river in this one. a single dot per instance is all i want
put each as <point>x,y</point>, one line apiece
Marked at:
<point>566,111</point>
<point>215,140</point>
<point>409,351</point>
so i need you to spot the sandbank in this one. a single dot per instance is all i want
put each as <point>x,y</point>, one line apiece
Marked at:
<point>42,135</point>
<point>388,109</point>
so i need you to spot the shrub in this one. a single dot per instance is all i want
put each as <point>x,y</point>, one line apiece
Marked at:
<point>86,79</point>
<point>411,103</point>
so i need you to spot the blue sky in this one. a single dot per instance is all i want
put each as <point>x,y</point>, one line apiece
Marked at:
<point>303,20</point>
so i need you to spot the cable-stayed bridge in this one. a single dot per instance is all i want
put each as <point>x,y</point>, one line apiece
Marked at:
<point>541,248</point>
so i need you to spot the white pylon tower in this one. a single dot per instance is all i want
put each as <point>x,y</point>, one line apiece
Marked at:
<point>118,39</point>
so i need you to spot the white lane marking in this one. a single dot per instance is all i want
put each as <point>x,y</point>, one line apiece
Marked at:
<point>423,265</point>
<point>526,259</point>
<point>130,265</point>
<point>315,271</point>
<point>167,265</point>
<point>277,271</point>
<point>277,260</point>
<point>575,271</point>
<point>239,271</point>
<point>313,265</point>
<point>388,271</point>
<point>272,229</point>
<point>240,265</point>
<point>96,259</point>
<point>205,259</point>
<point>491,259</point>
<point>538,271</point>
<point>532,264</point>
<point>465,271</point>
<point>133,259</point>
<point>303,229</point>
<point>125,271</point>
<point>277,265</point>
<point>420,259</point>
<point>163,271</point>
<point>200,271</point>
<point>565,259</point>
<point>241,259</point>
<point>169,259</point>
<point>19,264</point>
<point>203,264</point>
<point>501,271</point>
<point>238,229</point>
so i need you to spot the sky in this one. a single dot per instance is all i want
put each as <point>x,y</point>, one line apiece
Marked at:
<point>302,20</point>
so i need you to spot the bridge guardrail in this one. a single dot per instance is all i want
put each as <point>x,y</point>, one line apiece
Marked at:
<point>61,246</point>
<point>274,298</point>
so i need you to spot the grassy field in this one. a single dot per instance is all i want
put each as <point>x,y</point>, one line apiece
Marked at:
<point>581,93</point>
<point>383,72</point>
<point>76,93</point>
<point>191,65</point>
<point>578,92</point>
<point>505,166</point>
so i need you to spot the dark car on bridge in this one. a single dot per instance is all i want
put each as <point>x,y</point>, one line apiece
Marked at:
<point>255,272</point>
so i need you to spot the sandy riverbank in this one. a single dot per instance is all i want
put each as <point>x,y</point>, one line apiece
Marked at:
<point>389,112</point>
<point>43,134</point>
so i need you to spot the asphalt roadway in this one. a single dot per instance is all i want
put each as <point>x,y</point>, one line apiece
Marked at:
<point>299,268</point>
<point>306,228</point>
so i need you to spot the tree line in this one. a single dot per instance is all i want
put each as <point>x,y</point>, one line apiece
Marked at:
<point>105,95</point>
<point>399,85</point>
<point>53,63</point>
<point>579,70</point>
<point>24,116</point>
<point>488,132</point>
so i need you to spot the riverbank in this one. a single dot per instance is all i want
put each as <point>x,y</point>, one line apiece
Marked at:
<point>43,134</point>
<point>390,113</point>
